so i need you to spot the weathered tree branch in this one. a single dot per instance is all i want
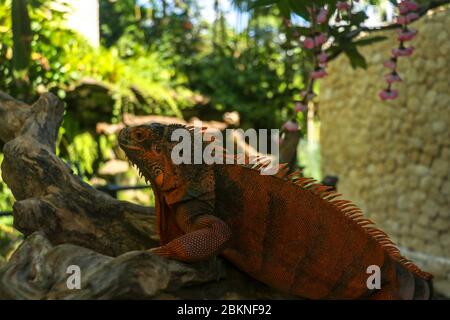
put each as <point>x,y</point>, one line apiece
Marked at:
<point>50,198</point>
<point>38,270</point>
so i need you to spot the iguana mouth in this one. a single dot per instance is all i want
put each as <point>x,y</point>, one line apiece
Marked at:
<point>130,147</point>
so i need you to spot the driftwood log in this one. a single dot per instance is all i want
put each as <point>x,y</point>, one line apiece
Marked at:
<point>49,198</point>
<point>67,222</point>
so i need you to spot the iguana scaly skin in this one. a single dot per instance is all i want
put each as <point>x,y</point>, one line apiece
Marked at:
<point>286,231</point>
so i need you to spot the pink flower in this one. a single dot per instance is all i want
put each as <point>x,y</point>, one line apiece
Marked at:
<point>322,57</point>
<point>392,77</point>
<point>402,52</point>
<point>342,6</point>
<point>317,41</point>
<point>402,8</point>
<point>411,5</point>
<point>388,94</point>
<point>290,125</point>
<point>308,95</point>
<point>407,6</point>
<point>402,20</point>
<point>320,39</point>
<point>300,107</point>
<point>308,43</point>
<point>412,16</point>
<point>406,35</point>
<point>319,73</point>
<point>322,16</point>
<point>390,64</point>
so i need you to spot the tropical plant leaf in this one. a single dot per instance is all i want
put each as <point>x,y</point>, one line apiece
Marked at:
<point>285,8</point>
<point>357,60</point>
<point>358,17</point>
<point>367,41</point>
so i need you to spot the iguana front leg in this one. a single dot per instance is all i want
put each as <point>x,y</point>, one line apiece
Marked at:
<point>205,236</point>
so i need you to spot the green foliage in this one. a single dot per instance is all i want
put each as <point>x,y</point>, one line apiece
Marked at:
<point>9,237</point>
<point>60,58</point>
<point>117,18</point>
<point>83,150</point>
<point>234,72</point>
<point>343,34</point>
<point>260,76</point>
<point>249,82</point>
<point>6,196</point>
<point>46,67</point>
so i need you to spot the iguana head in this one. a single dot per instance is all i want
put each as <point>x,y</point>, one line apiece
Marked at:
<point>147,147</point>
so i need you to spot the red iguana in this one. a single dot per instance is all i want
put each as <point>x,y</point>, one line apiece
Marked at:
<point>286,231</point>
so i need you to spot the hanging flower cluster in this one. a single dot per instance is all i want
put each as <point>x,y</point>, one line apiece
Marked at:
<point>314,42</point>
<point>407,13</point>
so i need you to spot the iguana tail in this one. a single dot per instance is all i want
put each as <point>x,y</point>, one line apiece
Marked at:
<point>402,284</point>
<point>423,289</point>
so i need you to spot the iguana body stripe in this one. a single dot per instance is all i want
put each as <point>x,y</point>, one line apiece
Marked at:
<point>286,231</point>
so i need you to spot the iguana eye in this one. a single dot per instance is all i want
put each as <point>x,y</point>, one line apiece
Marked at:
<point>139,136</point>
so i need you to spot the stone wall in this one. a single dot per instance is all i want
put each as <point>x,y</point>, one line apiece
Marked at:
<point>393,158</point>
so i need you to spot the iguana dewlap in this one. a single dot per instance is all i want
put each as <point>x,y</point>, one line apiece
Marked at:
<point>287,232</point>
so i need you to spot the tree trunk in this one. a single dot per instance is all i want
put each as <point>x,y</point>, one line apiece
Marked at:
<point>22,36</point>
<point>288,149</point>
<point>21,29</point>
